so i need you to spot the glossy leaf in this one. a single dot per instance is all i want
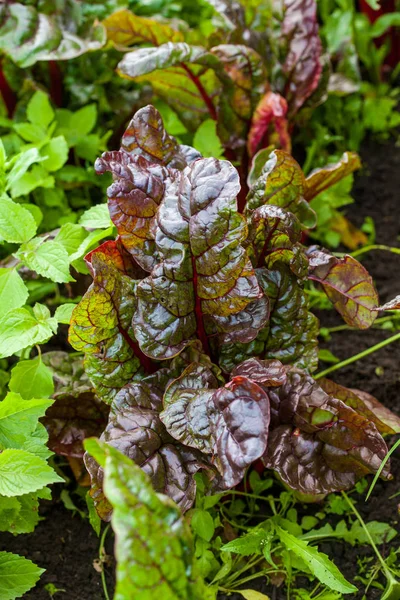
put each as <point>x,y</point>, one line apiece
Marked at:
<point>269,125</point>
<point>321,179</point>
<point>124,28</point>
<point>28,36</point>
<point>101,322</point>
<point>348,286</point>
<point>318,444</point>
<point>282,184</point>
<point>302,67</point>
<point>154,548</point>
<point>204,275</point>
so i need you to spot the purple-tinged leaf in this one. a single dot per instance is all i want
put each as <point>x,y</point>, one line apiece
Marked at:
<point>124,28</point>
<point>318,444</point>
<point>281,184</point>
<point>302,67</point>
<point>269,125</point>
<point>348,286</point>
<point>266,373</point>
<point>101,323</point>
<point>102,505</point>
<point>203,273</point>
<point>321,179</point>
<point>384,418</point>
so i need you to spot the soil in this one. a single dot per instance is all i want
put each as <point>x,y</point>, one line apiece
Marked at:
<point>65,544</point>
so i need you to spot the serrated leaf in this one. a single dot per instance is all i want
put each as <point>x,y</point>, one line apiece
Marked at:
<point>19,420</point>
<point>71,236</point>
<point>20,329</point>
<point>64,312</point>
<point>32,379</point>
<point>50,260</point>
<point>17,575</point>
<point>96,217</point>
<point>17,225</point>
<point>22,472</point>
<point>13,291</point>
<point>318,563</point>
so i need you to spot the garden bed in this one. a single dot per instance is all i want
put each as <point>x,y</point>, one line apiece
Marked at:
<point>65,544</point>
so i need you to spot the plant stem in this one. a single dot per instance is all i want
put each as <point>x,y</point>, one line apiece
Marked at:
<point>375,247</point>
<point>356,357</point>
<point>379,471</point>
<point>101,551</point>
<point>349,328</point>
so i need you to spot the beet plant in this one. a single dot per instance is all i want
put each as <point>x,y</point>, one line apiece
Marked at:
<point>196,327</point>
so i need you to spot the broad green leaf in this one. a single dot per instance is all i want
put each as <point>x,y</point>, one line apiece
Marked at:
<point>39,110</point>
<point>17,575</point>
<point>21,164</point>
<point>384,22</point>
<point>32,379</point>
<point>26,516</point>
<point>17,225</point>
<point>50,260</point>
<point>63,313</point>
<point>22,472</point>
<point>153,541</point>
<point>206,140</point>
<point>20,329</point>
<point>35,212</point>
<point>37,177</point>
<point>55,153</point>
<point>90,242</point>
<point>318,563</point>
<point>71,236</point>
<point>249,544</point>
<point>84,119</point>
<point>253,595</point>
<point>31,133</point>
<point>96,217</point>
<point>202,524</point>
<point>13,291</point>
<point>125,29</point>
<point>19,421</point>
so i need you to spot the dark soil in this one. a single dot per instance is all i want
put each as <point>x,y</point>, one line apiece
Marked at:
<point>66,546</point>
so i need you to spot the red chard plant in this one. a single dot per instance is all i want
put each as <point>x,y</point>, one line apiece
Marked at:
<point>196,329</point>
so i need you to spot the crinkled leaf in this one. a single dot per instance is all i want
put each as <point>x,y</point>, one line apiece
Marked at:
<point>321,179</point>
<point>282,184</point>
<point>318,563</point>
<point>101,322</point>
<point>17,575</point>
<point>318,444</point>
<point>124,28</point>
<point>204,274</point>
<point>365,404</point>
<point>302,67</point>
<point>269,125</point>
<point>182,75</point>
<point>28,36</point>
<point>154,548</point>
<point>291,333</point>
<point>348,286</point>
<point>266,373</point>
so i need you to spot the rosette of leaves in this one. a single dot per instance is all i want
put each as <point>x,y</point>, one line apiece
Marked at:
<point>196,324</point>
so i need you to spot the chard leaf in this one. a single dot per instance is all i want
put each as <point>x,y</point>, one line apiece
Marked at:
<point>318,562</point>
<point>303,66</point>
<point>184,76</point>
<point>124,28</point>
<point>321,179</point>
<point>290,335</point>
<point>318,444</point>
<point>101,322</point>
<point>348,286</point>
<point>269,125</point>
<point>154,548</point>
<point>17,575</point>
<point>282,184</point>
<point>204,275</point>
<point>28,36</point>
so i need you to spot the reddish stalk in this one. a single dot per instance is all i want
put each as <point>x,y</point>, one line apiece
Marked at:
<point>200,329</point>
<point>56,85</point>
<point>144,360</point>
<point>8,95</point>
<point>207,100</point>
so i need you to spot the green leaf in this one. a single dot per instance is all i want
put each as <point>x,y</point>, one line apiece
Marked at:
<point>17,225</point>
<point>206,140</point>
<point>384,22</point>
<point>56,153</point>
<point>248,544</point>
<point>97,217</point>
<point>22,162</point>
<point>63,313</point>
<point>25,515</point>
<point>35,212</point>
<point>22,472</point>
<point>318,563</point>
<point>37,177</point>
<point>84,119</point>
<point>31,133</point>
<point>19,421</point>
<point>39,110</point>
<point>71,237</point>
<point>252,595</point>
<point>20,329</point>
<point>94,518</point>
<point>32,379</point>
<point>203,524</point>
<point>50,260</point>
<point>13,291</point>
<point>17,575</point>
